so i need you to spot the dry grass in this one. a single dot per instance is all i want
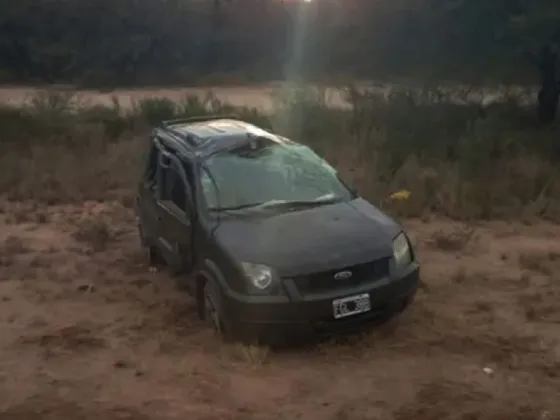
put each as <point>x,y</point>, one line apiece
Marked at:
<point>471,168</point>
<point>95,232</point>
<point>543,261</point>
<point>454,241</point>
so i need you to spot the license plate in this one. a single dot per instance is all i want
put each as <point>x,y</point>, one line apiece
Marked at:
<point>351,305</point>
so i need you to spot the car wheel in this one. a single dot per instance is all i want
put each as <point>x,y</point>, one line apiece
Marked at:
<point>212,310</point>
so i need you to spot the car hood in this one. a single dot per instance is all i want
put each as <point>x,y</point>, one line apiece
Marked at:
<point>321,238</point>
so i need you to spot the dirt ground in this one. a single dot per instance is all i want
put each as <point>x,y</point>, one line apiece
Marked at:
<point>88,331</point>
<point>260,96</point>
<point>257,96</point>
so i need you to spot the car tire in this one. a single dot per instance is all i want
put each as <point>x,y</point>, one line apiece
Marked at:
<point>212,309</point>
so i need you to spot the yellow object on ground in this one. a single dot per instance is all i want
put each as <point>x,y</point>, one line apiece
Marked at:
<point>400,195</point>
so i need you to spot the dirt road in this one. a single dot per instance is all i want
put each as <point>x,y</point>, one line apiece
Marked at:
<point>260,96</point>
<point>252,96</point>
<point>88,332</point>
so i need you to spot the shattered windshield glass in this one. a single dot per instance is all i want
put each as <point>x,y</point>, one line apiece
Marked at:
<point>274,174</point>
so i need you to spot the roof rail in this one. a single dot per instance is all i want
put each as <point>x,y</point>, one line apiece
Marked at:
<point>187,120</point>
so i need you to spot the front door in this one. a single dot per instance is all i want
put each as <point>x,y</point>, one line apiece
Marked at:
<point>175,215</point>
<point>147,199</point>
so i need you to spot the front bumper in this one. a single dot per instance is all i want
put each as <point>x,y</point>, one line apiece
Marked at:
<point>273,317</point>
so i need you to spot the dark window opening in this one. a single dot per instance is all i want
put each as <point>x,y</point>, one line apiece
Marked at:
<point>178,191</point>
<point>174,188</point>
<point>151,170</point>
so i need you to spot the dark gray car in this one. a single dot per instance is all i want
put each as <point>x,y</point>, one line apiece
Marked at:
<point>265,235</point>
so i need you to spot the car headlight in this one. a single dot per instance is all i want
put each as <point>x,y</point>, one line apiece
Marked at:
<point>401,250</point>
<point>260,276</point>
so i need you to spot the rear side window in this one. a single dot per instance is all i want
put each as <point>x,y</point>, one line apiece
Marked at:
<point>167,175</point>
<point>177,189</point>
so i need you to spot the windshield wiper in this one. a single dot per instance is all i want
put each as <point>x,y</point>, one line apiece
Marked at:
<point>239,207</point>
<point>326,199</point>
<point>302,203</point>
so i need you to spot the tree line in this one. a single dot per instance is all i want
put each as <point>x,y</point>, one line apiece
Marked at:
<point>133,42</point>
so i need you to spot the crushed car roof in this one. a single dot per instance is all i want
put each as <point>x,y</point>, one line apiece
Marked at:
<point>212,135</point>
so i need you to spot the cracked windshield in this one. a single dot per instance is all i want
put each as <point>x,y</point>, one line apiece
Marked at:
<point>270,174</point>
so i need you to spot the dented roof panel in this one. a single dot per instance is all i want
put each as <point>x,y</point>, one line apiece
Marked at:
<point>214,135</point>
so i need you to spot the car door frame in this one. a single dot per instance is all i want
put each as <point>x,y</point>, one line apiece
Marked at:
<point>175,230</point>
<point>147,197</point>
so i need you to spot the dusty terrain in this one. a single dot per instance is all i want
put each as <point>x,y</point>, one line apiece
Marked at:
<point>88,331</point>
<point>258,96</point>
<point>250,96</point>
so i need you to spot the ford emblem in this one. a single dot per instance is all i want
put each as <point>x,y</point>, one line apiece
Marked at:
<point>343,275</point>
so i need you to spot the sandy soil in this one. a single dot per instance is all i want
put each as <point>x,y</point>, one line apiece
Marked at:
<point>250,96</point>
<point>260,96</point>
<point>87,331</point>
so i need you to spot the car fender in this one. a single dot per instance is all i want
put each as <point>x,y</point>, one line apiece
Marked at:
<point>209,272</point>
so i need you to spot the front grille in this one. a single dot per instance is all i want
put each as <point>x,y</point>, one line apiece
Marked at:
<point>324,281</point>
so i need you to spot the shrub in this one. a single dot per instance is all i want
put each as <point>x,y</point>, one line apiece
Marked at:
<point>460,159</point>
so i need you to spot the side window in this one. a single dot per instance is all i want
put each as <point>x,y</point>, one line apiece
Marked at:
<point>209,190</point>
<point>174,188</point>
<point>178,190</point>
<point>190,176</point>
